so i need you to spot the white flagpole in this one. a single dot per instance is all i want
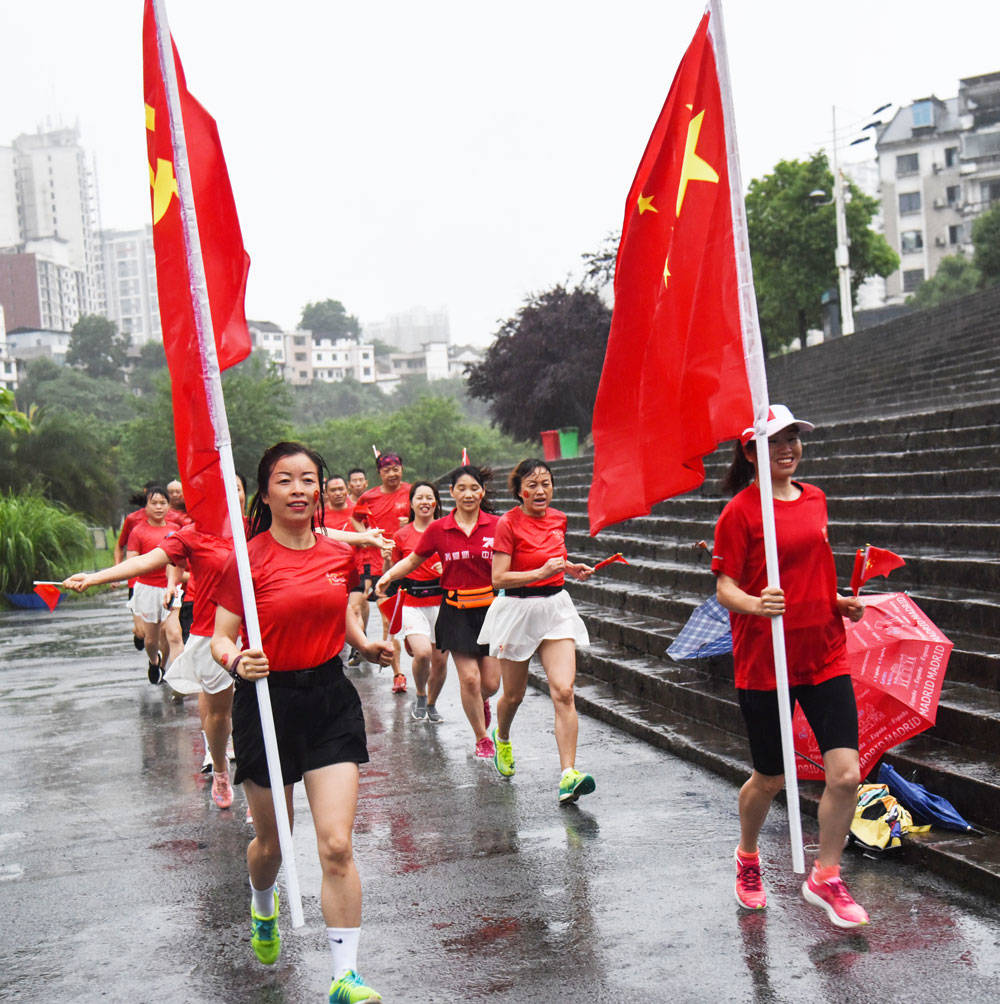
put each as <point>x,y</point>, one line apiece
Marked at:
<point>753,354</point>
<point>220,424</point>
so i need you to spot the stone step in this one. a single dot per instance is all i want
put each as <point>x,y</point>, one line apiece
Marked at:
<point>974,862</point>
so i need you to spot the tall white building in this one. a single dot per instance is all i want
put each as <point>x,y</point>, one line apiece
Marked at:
<point>939,165</point>
<point>305,357</point>
<point>54,197</point>
<point>8,365</point>
<point>410,330</point>
<point>130,283</point>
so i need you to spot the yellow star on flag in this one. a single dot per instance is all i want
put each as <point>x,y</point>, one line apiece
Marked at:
<point>646,202</point>
<point>693,168</point>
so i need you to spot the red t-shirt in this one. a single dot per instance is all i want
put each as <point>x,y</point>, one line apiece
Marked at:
<point>531,541</point>
<point>385,509</point>
<point>178,518</point>
<point>301,598</point>
<point>815,642</point>
<point>467,560</point>
<point>206,556</point>
<point>406,537</point>
<point>143,539</point>
<point>131,521</point>
<point>339,519</point>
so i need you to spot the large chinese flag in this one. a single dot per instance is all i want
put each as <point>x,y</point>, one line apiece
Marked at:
<point>226,266</point>
<point>674,383</point>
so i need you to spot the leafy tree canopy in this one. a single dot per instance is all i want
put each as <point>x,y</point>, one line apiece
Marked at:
<point>986,241</point>
<point>542,370</point>
<point>955,277</point>
<point>150,361</point>
<point>10,418</point>
<point>329,317</point>
<point>429,434</point>
<point>50,387</point>
<point>96,345</point>
<point>792,242</point>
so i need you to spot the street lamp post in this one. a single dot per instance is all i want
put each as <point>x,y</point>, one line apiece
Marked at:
<point>842,254</point>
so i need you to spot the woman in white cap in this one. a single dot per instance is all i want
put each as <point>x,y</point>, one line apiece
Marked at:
<point>818,674</point>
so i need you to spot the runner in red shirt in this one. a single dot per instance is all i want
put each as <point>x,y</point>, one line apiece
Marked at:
<point>388,508</point>
<point>421,601</point>
<point>301,580</point>
<point>819,676</point>
<point>339,508</point>
<point>160,624</point>
<point>194,671</point>
<point>129,523</point>
<point>536,614</point>
<point>464,542</point>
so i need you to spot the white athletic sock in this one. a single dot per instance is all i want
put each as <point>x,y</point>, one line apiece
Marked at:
<point>263,901</point>
<point>344,948</point>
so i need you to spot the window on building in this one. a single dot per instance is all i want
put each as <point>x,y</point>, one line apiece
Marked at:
<point>955,234</point>
<point>951,156</point>
<point>923,114</point>
<point>953,193</point>
<point>907,163</point>
<point>300,357</point>
<point>300,339</point>
<point>912,278</point>
<point>909,202</point>
<point>991,192</point>
<point>910,241</point>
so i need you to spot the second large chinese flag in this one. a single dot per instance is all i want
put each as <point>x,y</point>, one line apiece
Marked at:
<point>674,382</point>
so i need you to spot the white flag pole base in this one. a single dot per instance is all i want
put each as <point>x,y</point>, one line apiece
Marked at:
<point>293,895</point>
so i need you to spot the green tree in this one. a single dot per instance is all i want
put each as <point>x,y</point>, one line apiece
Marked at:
<point>429,434</point>
<point>792,241</point>
<point>11,419</point>
<point>152,360</point>
<point>258,403</point>
<point>542,370</point>
<point>50,387</point>
<point>96,346</point>
<point>315,402</point>
<point>986,241</point>
<point>955,277</point>
<point>329,317</point>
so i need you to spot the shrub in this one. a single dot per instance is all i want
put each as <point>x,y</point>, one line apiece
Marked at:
<point>38,540</point>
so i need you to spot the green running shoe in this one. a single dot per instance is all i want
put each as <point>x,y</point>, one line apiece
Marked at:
<point>573,784</point>
<point>264,936</point>
<point>351,989</point>
<point>503,758</point>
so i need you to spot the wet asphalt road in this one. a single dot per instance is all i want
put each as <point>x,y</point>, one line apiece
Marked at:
<point>121,881</point>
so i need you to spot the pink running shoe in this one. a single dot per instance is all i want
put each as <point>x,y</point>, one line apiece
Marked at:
<point>833,897</point>
<point>485,750</point>
<point>487,713</point>
<point>222,790</point>
<point>749,887</point>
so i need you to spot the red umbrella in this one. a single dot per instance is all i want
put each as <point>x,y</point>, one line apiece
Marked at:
<point>897,657</point>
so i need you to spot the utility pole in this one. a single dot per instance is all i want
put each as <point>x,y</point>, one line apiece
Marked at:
<point>842,254</point>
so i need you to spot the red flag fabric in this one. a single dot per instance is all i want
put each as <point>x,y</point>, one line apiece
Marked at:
<point>49,593</point>
<point>674,383</point>
<point>465,457</point>
<point>616,557</point>
<point>874,561</point>
<point>226,267</point>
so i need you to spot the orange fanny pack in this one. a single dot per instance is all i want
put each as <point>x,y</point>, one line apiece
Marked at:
<point>469,599</point>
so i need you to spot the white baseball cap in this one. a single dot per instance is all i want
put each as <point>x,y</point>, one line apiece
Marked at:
<point>778,418</point>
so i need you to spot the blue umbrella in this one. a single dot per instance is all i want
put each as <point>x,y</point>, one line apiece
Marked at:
<point>924,806</point>
<point>706,633</point>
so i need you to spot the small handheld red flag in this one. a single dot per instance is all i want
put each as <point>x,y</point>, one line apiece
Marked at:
<point>610,561</point>
<point>465,457</point>
<point>49,592</point>
<point>871,562</point>
<point>392,609</point>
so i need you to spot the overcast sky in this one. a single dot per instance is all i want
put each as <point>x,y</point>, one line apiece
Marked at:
<point>457,154</point>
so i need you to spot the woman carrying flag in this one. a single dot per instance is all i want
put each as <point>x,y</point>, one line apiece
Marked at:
<point>420,604</point>
<point>818,674</point>
<point>536,614</point>
<point>464,541</point>
<point>301,580</point>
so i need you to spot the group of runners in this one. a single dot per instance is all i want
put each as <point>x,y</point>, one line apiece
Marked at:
<point>487,590</point>
<point>320,550</point>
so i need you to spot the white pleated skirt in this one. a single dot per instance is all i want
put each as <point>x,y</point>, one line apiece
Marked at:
<point>515,626</point>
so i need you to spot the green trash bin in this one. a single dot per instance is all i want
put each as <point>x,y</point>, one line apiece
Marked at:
<point>569,442</point>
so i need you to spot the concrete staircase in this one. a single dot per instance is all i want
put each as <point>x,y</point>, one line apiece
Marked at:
<point>907,450</point>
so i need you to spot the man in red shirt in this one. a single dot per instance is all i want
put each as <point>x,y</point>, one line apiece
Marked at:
<point>389,509</point>
<point>338,507</point>
<point>357,484</point>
